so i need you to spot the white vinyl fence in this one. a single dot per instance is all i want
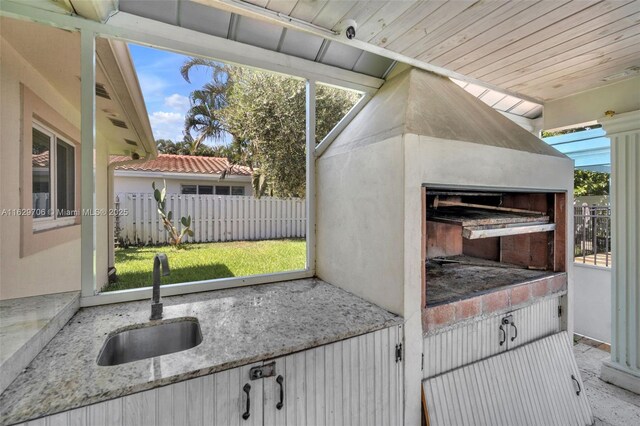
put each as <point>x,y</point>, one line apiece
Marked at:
<point>213,218</point>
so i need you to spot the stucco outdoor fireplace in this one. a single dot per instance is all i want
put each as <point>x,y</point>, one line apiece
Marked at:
<point>438,208</point>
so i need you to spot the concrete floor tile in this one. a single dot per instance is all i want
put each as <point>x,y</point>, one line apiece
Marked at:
<point>611,405</point>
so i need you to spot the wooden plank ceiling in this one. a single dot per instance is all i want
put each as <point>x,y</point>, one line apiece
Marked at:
<point>543,49</point>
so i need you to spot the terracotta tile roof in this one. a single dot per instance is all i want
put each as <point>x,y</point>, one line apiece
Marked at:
<point>183,164</point>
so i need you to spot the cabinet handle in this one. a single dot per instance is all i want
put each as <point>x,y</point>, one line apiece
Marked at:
<point>503,335</point>
<point>247,413</point>
<point>280,381</point>
<point>516,329</point>
<point>577,383</point>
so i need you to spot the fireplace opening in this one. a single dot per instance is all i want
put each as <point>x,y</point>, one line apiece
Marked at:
<point>477,242</point>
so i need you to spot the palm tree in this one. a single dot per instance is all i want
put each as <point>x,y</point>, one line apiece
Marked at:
<point>203,116</point>
<point>205,119</point>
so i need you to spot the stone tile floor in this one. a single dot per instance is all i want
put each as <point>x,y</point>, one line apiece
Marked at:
<point>611,405</point>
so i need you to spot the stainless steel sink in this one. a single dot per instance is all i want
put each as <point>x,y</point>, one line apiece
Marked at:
<point>148,341</point>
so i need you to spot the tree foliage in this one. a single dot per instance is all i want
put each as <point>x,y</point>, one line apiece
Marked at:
<point>166,146</point>
<point>265,114</point>
<point>587,182</point>
<point>203,118</point>
<point>548,134</point>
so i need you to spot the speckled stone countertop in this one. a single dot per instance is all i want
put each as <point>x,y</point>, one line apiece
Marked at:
<point>239,326</point>
<point>22,319</point>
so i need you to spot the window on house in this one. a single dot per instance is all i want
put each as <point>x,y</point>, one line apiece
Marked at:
<point>53,178</point>
<point>197,189</point>
<point>65,178</point>
<point>237,190</point>
<point>223,190</point>
<point>41,173</point>
<point>205,189</point>
<point>189,189</point>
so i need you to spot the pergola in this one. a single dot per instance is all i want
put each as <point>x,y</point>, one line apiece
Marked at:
<point>543,64</point>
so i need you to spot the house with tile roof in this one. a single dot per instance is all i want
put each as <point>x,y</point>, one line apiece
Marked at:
<point>183,174</point>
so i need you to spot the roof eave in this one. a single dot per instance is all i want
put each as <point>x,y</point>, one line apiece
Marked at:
<point>131,98</point>
<point>180,175</point>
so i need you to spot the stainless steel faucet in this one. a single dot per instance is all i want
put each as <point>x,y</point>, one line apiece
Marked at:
<point>160,259</point>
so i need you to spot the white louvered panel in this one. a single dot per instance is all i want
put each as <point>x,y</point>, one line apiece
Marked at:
<point>353,382</point>
<point>461,345</point>
<point>216,400</point>
<point>480,339</point>
<point>530,385</point>
<point>625,156</point>
<point>535,321</point>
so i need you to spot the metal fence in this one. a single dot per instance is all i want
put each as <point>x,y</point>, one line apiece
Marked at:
<point>592,241</point>
<point>213,217</point>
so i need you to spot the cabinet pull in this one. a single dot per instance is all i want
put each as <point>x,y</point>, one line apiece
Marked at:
<point>503,335</point>
<point>578,384</point>
<point>280,381</point>
<point>247,413</point>
<point>516,329</point>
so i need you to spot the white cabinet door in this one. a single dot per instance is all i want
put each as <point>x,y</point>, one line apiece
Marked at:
<point>233,399</point>
<point>479,339</point>
<point>214,400</point>
<point>534,384</point>
<point>534,322</point>
<point>353,382</point>
<point>463,344</point>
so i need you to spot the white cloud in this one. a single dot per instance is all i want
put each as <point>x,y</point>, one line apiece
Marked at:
<point>151,84</point>
<point>167,125</point>
<point>177,102</point>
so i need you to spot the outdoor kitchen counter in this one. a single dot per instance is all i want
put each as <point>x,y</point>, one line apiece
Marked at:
<point>239,326</point>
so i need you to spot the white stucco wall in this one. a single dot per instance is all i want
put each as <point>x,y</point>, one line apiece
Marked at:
<point>56,269</point>
<point>143,184</point>
<point>49,271</point>
<point>359,222</point>
<point>592,301</point>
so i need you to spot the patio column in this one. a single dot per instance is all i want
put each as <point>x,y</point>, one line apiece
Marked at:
<point>87,169</point>
<point>623,369</point>
<point>310,197</point>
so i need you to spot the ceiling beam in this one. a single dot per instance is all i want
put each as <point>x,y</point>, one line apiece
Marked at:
<point>190,42</point>
<point>97,10</point>
<point>153,33</point>
<point>342,124</point>
<point>256,12</point>
<point>532,125</point>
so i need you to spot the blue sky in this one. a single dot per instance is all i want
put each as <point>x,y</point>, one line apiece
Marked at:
<point>165,92</point>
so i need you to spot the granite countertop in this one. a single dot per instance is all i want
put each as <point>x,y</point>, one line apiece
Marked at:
<point>26,326</point>
<point>239,326</point>
<point>22,319</point>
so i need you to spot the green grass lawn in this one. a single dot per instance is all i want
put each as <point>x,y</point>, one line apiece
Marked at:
<point>195,262</point>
